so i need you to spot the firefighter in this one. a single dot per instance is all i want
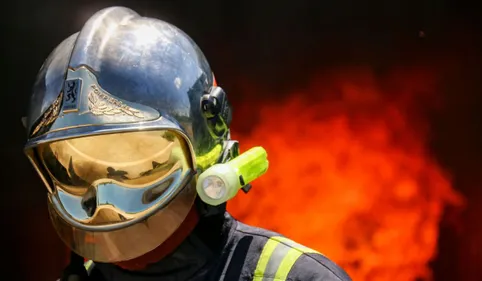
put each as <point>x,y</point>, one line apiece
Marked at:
<point>129,132</point>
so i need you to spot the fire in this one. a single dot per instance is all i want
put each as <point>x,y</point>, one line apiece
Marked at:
<point>350,172</point>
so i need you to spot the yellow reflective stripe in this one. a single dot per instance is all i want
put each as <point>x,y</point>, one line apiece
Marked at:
<point>291,257</point>
<point>287,263</point>
<point>88,265</point>
<point>280,263</point>
<point>295,245</point>
<point>264,259</point>
<point>258,278</point>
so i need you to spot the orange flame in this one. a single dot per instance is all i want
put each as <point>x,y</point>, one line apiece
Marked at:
<point>350,173</point>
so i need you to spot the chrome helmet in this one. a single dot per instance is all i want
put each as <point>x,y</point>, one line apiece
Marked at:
<point>124,114</point>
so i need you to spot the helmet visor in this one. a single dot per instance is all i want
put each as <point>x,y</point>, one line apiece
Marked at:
<point>135,159</point>
<point>103,184</point>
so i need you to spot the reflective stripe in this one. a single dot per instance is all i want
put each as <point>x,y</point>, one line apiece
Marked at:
<point>287,263</point>
<point>278,258</point>
<point>264,258</point>
<point>89,265</point>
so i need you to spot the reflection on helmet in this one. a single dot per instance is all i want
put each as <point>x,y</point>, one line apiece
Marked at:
<point>117,132</point>
<point>120,175</point>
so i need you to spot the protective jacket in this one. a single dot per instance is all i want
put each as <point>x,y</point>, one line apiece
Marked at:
<point>222,248</point>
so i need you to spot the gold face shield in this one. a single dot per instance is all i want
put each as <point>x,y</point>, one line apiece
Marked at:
<point>118,196</point>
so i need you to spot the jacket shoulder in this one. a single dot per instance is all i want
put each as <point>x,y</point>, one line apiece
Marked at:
<point>316,267</point>
<point>244,250</point>
<point>271,256</point>
<point>254,232</point>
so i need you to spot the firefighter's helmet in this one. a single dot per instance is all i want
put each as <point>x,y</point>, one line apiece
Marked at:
<point>123,115</point>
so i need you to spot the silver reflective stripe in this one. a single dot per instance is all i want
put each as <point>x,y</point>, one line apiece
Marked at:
<point>278,258</point>
<point>275,261</point>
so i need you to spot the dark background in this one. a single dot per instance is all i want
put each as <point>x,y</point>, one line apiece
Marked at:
<point>277,44</point>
